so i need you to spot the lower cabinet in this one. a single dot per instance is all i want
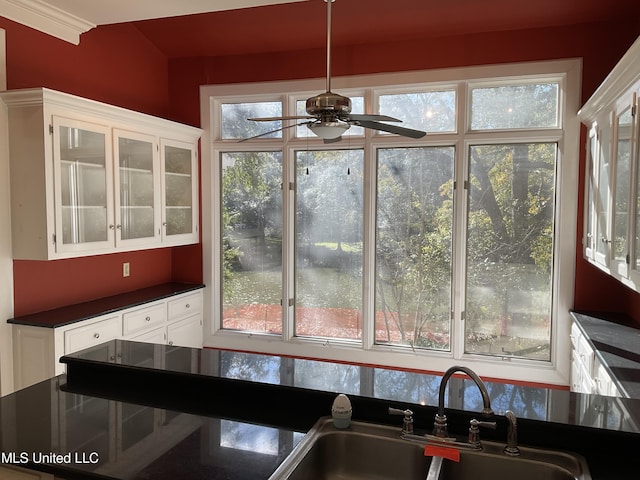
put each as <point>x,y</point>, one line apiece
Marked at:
<point>178,322</point>
<point>174,321</point>
<point>37,350</point>
<point>588,373</point>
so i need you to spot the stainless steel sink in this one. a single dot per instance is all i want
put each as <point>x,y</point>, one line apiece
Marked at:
<point>363,451</point>
<point>492,463</point>
<point>377,452</point>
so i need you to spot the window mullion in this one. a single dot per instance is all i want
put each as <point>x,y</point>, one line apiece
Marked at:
<point>369,248</point>
<point>288,243</point>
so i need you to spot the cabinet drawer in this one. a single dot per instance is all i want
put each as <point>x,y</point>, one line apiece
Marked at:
<point>93,334</point>
<point>187,305</point>
<point>144,318</point>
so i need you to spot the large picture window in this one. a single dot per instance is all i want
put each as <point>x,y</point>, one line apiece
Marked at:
<point>382,249</point>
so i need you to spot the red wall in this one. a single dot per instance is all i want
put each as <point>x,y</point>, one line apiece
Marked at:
<point>116,65</point>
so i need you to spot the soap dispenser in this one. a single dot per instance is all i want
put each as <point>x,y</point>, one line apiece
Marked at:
<point>341,411</point>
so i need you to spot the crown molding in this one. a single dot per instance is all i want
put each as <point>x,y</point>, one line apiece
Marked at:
<point>46,18</point>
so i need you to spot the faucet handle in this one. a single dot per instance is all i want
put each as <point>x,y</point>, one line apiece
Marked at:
<point>407,423</point>
<point>474,430</point>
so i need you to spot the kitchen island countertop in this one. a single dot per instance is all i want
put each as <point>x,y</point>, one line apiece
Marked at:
<point>159,412</point>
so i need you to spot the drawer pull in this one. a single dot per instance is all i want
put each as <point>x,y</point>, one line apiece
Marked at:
<point>148,318</point>
<point>170,342</point>
<point>187,306</point>
<point>96,335</point>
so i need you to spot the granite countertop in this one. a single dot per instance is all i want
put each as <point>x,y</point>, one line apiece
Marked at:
<point>60,317</point>
<point>159,412</point>
<point>616,340</point>
<point>82,437</point>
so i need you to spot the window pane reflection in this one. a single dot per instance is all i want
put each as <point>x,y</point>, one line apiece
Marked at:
<point>257,368</point>
<point>526,402</point>
<point>406,386</point>
<point>327,376</point>
<point>252,438</point>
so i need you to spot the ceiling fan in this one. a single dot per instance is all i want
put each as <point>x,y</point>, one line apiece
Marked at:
<point>329,114</point>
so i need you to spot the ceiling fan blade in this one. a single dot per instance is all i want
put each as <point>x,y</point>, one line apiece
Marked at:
<point>273,131</point>
<point>405,132</point>
<point>356,117</point>
<point>276,119</point>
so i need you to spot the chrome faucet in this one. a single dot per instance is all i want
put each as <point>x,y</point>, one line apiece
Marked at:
<point>440,424</point>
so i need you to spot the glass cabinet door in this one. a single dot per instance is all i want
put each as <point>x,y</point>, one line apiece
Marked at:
<point>138,194</point>
<point>620,218</point>
<point>179,191</point>
<point>591,191</point>
<point>83,187</point>
<point>602,201</point>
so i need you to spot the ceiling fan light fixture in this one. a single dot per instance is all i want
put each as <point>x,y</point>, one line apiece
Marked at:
<point>328,130</point>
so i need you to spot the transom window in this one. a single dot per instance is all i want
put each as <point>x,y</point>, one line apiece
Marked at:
<point>389,250</point>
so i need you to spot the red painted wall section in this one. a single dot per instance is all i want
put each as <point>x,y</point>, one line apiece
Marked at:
<point>593,289</point>
<point>113,64</point>
<point>45,285</point>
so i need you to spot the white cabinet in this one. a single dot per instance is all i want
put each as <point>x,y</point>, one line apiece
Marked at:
<point>176,320</point>
<point>89,178</point>
<point>612,196</point>
<point>179,322</point>
<point>582,356</point>
<point>588,373</point>
<point>37,349</point>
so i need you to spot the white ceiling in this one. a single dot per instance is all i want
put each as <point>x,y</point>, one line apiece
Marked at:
<point>68,19</point>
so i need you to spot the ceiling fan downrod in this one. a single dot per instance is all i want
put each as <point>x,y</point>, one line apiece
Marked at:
<point>328,103</point>
<point>329,2</point>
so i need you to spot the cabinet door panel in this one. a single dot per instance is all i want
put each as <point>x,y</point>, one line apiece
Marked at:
<point>83,186</point>
<point>179,192</point>
<point>622,189</point>
<point>603,200</point>
<point>186,332</point>
<point>137,180</point>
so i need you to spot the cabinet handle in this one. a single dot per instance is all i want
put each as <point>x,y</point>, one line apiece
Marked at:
<point>170,342</point>
<point>112,227</point>
<point>187,306</point>
<point>119,227</point>
<point>96,335</point>
<point>148,319</point>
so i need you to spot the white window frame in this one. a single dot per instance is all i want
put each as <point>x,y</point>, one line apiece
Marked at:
<point>567,72</point>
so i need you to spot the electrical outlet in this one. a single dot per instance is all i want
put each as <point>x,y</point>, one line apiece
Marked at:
<point>125,269</point>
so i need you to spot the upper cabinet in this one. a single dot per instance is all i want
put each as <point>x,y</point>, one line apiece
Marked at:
<point>89,178</point>
<point>612,194</point>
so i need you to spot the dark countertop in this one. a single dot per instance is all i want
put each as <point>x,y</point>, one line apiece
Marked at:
<point>616,340</point>
<point>160,412</point>
<point>103,439</point>
<point>82,311</point>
